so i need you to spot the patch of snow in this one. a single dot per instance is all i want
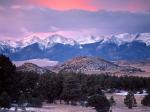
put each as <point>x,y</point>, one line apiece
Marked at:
<point>89,39</point>
<point>120,38</point>
<point>124,93</point>
<point>58,39</point>
<point>144,37</point>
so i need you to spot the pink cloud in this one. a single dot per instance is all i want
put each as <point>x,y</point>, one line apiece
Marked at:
<point>90,5</point>
<point>94,5</point>
<point>137,6</point>
<point>65,4</point>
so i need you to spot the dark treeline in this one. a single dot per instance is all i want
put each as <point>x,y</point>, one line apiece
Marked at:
<point>20,87</point>
<point>53,86</point>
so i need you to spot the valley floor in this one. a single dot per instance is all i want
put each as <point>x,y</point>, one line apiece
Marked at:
<point>119,107</point>
<point>58,108</point>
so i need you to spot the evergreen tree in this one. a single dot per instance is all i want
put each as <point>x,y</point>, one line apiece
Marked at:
<point>51,86</point>
<point>84,88</point>
<point>94,90</point>
<point>71,89</point>
<point>5,101</point>
<point>130,100</point>
<point>100,102</point>
<point>35,102</point>
<point>112,101</point>
<point>146,100</point>
<point>22,99</point>
<point>7,76</point>
<point>21,102</point>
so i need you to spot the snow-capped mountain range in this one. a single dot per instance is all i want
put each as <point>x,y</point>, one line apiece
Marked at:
<point>60,48</point>
<point>45,42</point>
<point>50,40</point>
<point>128,38</point>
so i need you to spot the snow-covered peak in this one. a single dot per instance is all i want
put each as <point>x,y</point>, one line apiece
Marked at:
<point>122,38</point>
<point>45,41</point>
<point>89,39</point>
<point>144,37</point>
<point>59,39</point>
<point>127,38</point>
<point>9,43</point>
<point>4,43</point>
<point>30,40</point>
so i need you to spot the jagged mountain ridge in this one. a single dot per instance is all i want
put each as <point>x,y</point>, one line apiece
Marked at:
<point>59,48</point>
<point>47,41</point>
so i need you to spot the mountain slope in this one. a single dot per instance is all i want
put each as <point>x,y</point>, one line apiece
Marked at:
<point>92,65</point>
<point>29,67</point>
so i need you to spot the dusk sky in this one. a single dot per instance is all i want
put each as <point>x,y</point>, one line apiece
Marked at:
<point>19,18</point>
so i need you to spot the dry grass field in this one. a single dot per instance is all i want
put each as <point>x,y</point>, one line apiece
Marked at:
<point>120,106</point>
<point>145,67</point>
<point>58,108</point>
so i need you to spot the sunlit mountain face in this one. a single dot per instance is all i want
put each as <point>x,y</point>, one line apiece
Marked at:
<point>58,30</point>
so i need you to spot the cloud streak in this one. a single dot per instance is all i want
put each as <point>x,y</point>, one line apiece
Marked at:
<point>100,17</point>
<point>15,23</point>
<point>90,5</point>
<point>65,4</point>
